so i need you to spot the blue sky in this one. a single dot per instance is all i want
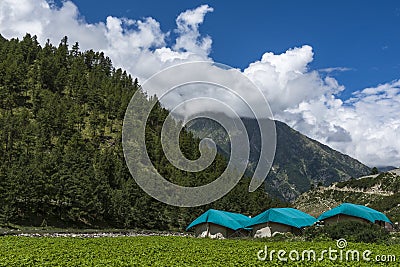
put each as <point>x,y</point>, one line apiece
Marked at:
<point>329,69</point>
<point>362,36</point>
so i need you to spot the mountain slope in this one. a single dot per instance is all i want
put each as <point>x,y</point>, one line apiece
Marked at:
<point>380,192</point>
<point>61,156</point>
<point>300,162</point>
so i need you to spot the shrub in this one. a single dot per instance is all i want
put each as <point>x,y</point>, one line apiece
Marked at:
<point>350,230</point>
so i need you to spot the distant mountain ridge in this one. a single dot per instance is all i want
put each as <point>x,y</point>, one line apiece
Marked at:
<point>300,162</point>
<point>386,168</point>
<point>379,191</point>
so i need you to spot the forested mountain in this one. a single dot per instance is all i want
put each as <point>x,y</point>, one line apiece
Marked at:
<point>379,191</point>
<point>61,158</point>
<point>299,164</point>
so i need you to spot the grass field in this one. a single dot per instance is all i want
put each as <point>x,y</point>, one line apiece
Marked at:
<point>179,251</point>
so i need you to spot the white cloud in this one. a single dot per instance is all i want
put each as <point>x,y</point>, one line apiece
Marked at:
<point>286,80</point>
<point>367,126</point>
<point>136,45</point>
<point>47,22</point>
<point>335,69</point>
<point>188,29</point>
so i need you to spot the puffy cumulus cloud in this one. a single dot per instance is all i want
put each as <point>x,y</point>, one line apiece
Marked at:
<point>135,45</point>
<point>366,126</point>
<point>139,46</point>
<point>190,39</point>
<point>143,35</point>
<point>48,22</point>
<point>374,117</point>
<point>286,80</point>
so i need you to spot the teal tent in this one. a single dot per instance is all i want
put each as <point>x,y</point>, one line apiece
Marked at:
<point>286,216</point>
<point>354,210</point>
<point>234,221</point>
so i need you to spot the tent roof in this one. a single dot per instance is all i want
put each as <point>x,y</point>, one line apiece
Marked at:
<point>356,211</point>
<point>227,219</point>
<point>288,216</point>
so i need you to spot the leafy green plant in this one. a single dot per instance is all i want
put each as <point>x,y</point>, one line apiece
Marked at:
<point>349,230</point>
<point>164,251</point>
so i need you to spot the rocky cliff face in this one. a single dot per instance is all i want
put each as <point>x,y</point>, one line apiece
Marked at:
<point>380,192</point>
<point>300,163</point>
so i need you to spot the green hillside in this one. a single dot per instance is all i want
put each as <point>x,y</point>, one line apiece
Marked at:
<point>61,159</point>
<point>380,192</point>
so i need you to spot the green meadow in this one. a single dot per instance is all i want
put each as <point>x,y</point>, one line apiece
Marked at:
<point>187,251</point>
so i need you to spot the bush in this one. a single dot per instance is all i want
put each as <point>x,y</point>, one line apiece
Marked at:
<point>350,230</point>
